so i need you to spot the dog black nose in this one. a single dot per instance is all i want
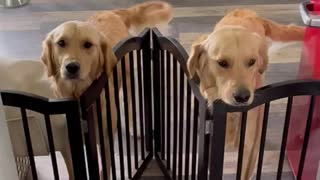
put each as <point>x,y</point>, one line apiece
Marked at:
<point>242,95</point>
<point>73,67</point>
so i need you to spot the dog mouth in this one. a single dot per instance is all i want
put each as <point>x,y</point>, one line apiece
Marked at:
<point>71,76</point>
<point>239,104</point>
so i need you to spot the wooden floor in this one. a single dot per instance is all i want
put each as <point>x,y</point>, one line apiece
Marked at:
<point>23,29</point>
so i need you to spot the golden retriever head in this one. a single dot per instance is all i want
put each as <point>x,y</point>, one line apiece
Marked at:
<point>229,63</point>
<point>74,54</point>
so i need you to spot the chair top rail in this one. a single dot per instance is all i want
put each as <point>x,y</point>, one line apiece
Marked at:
<point>130,44</point>
<point>270,93</point>
<point>36,103</point>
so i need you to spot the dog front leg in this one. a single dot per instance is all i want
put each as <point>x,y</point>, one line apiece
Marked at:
<point>252,143</point>
<point>249,159</point>
<point>107,158</point>
<point>68,160</point>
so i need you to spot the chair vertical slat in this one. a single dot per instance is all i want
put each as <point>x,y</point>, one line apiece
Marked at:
<point>156,95</point>
<point>134,116</point>
<point>141,103</point>
<point>76,141</point>
<point>148,100</point>
<point>29,143</point>
<point>206,154</point>
<point>194,139</point>
<point>181,114</point>
<point>175,119</point>
<point>241,144</point>
<point>91,144</point>
<point>126,114</point>
<point>119,127</point>
<point>110,131</point>
<point>162,102</point>
<point>204,148</point>
<point>263,139</point>
<point>51,147</point>
<point>217,141</point>
<point>188,131</point>
<point>102,139</point>
<point>306,138</point>
<point>168,69</point>
<point>284,138</point>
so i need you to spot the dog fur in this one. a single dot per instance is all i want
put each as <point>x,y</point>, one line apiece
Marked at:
<point>235,56</point>
<point>68,43</point>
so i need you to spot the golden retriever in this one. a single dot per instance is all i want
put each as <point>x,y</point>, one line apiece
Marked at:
<point>230,63</point>
<point>76,53</point>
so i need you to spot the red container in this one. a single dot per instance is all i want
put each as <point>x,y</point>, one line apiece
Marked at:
<point>309,69</point>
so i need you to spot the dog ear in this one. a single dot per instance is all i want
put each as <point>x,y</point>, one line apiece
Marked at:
<point>264,59</point>
<point>47,56</point>
<point>194,59</point>
<point>108,59</point>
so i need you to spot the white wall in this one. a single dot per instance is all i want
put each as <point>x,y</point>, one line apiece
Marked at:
<point>7,163</point>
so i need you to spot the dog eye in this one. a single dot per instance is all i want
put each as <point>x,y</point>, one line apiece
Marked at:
<point>61,43</point>
<point>251,62</point>
<point>223,63</point>
<point>87,45</point>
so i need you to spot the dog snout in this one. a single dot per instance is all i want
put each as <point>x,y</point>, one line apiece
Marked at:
<point>242,95</point>
<point>73,68</point>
